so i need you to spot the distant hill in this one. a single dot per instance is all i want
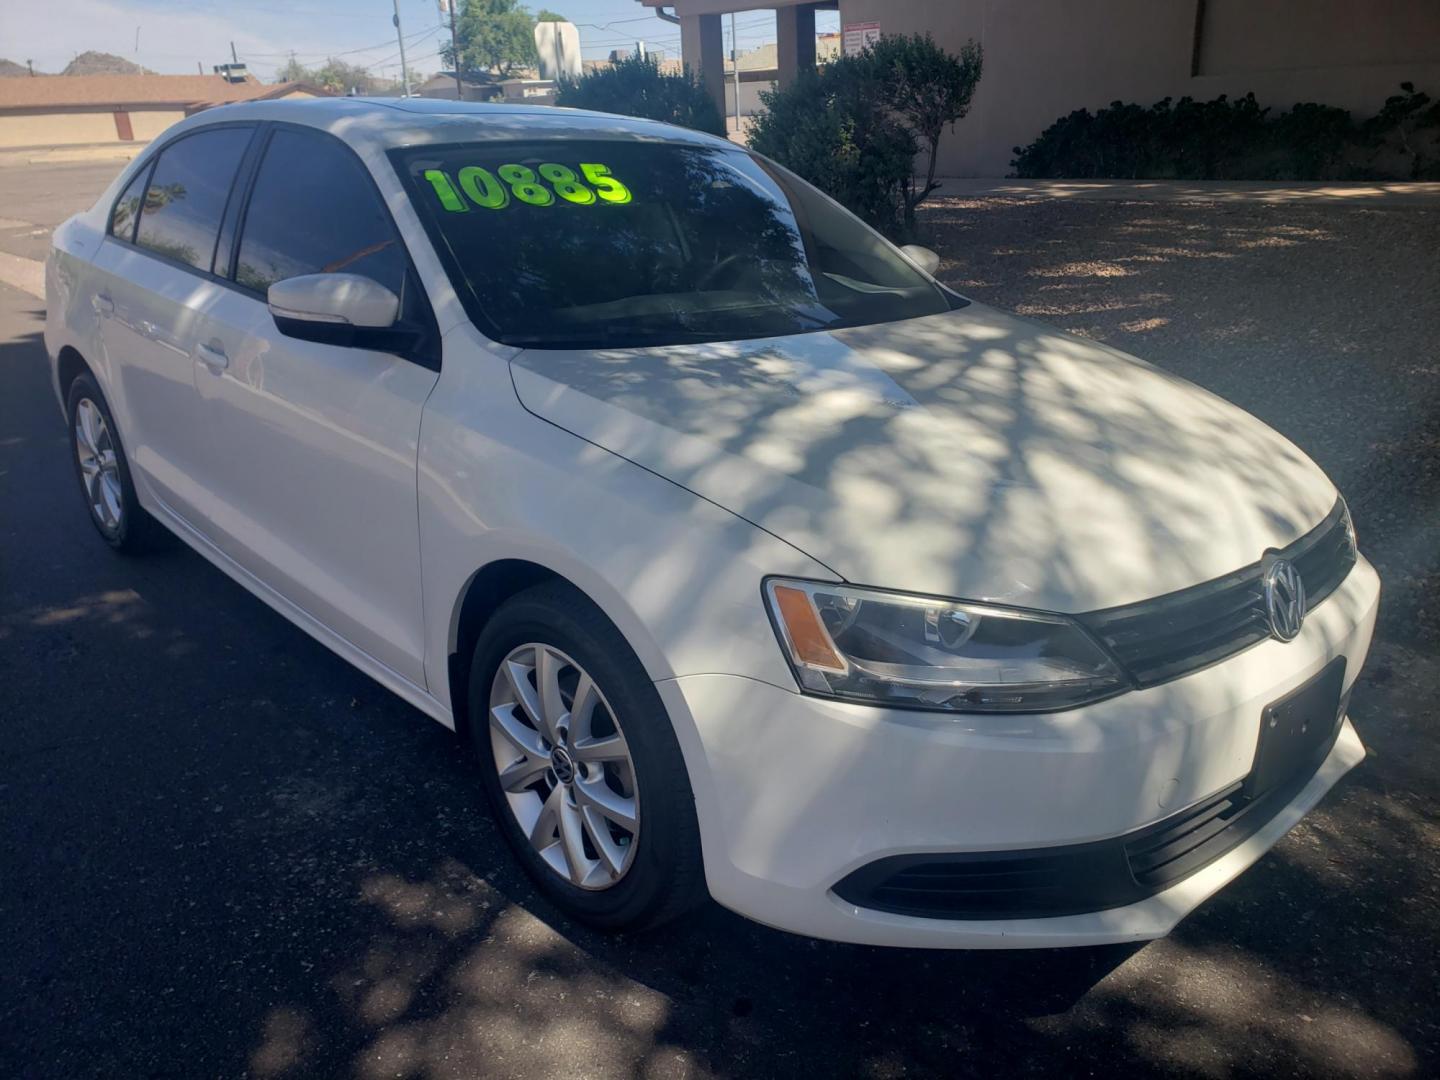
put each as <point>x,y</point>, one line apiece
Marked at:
<point>99,63</point>
<point>9,67</point>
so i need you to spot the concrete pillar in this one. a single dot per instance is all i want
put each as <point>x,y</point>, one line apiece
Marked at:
<point>702,48</point>
<point>794,41</point>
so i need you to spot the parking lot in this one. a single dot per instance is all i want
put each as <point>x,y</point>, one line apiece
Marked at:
<point>224,852</point>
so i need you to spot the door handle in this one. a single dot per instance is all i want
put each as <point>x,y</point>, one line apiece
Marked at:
<point>103,304</point>
<point>213,357</point>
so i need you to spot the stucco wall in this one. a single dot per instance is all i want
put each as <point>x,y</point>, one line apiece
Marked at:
<point>149,123</point>
<point>69,127</point>
<point>750,90</point>
<point>1044,58</point>
<point>56,129</point>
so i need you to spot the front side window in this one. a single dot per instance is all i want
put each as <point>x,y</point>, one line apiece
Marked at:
<point>589,244</point>
<point>185,199</point>
<point>313,210</point>
<point>127,208</point>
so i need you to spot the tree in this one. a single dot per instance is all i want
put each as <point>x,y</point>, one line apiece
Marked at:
<point>833,127</point>
<point>340,78</point>
<point>294,71</point>
<point>635,86</point>
<point>494,35</point>
<point>854,127</point>
<point>549,16</point>
<point>930,89</point>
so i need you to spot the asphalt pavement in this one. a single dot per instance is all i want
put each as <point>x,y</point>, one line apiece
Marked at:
<point>224,852</point>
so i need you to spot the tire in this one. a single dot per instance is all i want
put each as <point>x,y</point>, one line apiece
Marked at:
<point>662,875</point>
<point>105,484</point>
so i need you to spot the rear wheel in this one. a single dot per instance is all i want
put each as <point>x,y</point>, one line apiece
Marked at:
<point>104,473</point>
<point>581,765</point>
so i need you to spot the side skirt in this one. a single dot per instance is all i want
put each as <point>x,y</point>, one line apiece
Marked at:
<point>397,684</point>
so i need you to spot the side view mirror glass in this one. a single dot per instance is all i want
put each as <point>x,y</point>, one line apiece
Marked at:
<point>922,257</point>
<point>336,309</point>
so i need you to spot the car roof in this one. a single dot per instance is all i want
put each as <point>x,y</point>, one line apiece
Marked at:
<point>384,123</point>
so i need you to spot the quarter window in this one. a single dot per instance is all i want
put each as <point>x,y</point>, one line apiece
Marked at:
<point>186,196</point>
<point>127,207</point>
<point>313,210</point>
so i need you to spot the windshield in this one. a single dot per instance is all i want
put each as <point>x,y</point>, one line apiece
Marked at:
<point>591,244</point>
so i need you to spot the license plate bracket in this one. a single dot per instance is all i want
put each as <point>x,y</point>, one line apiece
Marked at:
<point>1298,730</point>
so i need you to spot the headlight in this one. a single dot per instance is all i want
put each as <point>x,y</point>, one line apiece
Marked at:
<point>1349,525</point>
<point>923,653</point>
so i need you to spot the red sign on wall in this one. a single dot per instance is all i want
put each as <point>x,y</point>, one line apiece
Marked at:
<point>859,36</point>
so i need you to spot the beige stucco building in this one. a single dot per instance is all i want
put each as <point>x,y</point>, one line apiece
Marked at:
<point>67,110</point>
<point>1044,58</point>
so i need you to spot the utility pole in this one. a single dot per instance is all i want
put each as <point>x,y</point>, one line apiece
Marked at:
<point>735,63</point>
<point>400,37</point>
<point>447,7</point>
<point>235,59</point>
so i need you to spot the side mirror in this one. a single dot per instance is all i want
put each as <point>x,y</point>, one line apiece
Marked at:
<point>922,257</point>
<point>336,309</point>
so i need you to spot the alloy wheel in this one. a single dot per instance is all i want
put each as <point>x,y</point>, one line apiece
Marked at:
<point>99,467</point>
<point>564,766</point>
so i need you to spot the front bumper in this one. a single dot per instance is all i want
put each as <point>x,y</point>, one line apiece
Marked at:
<point>795,793</point>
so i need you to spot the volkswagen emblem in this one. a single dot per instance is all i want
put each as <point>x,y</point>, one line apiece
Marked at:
<point>563,766</point>
<point>1284,599</point>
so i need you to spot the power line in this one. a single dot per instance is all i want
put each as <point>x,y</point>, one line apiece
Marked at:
<point>388,43</point>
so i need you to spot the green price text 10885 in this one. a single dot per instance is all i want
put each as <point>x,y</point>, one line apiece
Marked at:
<point>477,186</point>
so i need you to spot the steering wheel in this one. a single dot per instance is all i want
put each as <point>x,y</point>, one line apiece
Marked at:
<point>715,271</point>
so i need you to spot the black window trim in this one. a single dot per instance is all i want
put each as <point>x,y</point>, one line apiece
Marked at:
<point>143,173</point>
<point>232,222</point>
<point>148,167</point>
<point>427,353</point>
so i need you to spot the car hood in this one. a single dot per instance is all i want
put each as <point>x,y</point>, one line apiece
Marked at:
<point>970,454</point>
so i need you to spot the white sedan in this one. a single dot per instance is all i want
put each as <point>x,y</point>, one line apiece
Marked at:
<point>753,562</point>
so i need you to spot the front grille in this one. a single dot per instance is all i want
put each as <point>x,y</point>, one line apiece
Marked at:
<point>1173,635</point>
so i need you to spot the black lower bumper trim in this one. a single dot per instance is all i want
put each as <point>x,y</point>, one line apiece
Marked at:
<point>1053,881</point>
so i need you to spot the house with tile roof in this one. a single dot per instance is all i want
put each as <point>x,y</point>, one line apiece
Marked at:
<point>68,110</point>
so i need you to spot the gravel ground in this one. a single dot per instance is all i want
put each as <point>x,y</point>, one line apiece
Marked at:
<point>224,852</point>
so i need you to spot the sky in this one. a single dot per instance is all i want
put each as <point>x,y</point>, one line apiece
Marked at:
<point>172,36</point>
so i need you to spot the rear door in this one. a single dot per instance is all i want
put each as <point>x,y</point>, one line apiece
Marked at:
<point>154,279</point>
<point>310,449</point>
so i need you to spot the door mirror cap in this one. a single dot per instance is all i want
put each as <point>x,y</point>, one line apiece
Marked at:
<point>333,300</point>
<point>922,257</point>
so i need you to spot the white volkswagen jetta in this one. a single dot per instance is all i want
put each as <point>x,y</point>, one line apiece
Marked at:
<point>752,560</point>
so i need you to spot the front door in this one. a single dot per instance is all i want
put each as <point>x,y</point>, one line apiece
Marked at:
<point>312,448</point>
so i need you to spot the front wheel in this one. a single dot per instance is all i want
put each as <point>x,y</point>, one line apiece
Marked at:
<point>581,765</point>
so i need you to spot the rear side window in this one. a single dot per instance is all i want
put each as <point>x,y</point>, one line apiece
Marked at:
<point>314,210</point>
<point>127,207</point>
<point>186,196</point>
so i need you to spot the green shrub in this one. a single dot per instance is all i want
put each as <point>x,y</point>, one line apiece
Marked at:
<point>854,127</point>
<point>1402,125</point>
<point>929,89</point>
<point>1309,141</point>
<point>832,127</point>
<point>1236,140</point>
<point>635,86</point>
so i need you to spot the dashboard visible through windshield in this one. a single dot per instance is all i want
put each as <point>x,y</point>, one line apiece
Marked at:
<point>606,243</point>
